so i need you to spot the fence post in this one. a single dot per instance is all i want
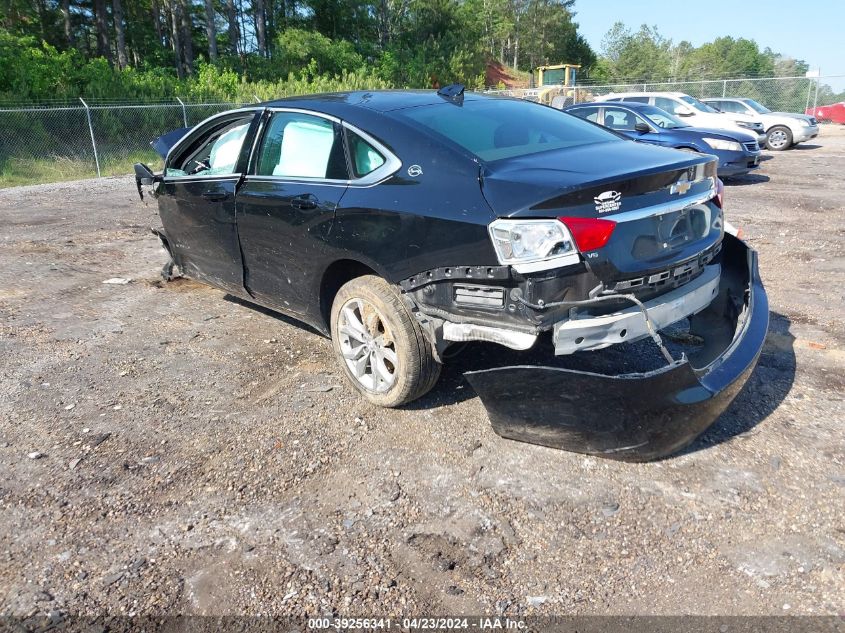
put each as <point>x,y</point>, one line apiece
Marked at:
<point>184,113</point>
<point>816,98</point>
<point>809,91</point>
<point>724,88</point>
<point>91,129</point>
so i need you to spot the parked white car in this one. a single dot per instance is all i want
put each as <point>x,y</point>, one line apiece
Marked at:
<point>694,112</point>
<point>783,129</point>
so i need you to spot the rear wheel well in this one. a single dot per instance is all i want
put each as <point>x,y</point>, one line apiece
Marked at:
<point>337,274</point>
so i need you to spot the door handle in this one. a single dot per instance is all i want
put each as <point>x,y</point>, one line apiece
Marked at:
<point>305,202</point>
<point>215,196</point>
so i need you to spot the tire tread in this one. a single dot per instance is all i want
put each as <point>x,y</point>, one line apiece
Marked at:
<point>420,371</point>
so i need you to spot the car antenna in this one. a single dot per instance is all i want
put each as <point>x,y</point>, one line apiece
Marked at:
<point>452,92</point>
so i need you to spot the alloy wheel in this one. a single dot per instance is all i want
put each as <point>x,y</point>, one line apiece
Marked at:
<point>368,346</point>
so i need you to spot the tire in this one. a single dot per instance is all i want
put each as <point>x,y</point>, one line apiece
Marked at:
<point>779,138</point>
<point>379,344</point>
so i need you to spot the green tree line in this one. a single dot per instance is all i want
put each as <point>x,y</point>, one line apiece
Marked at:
<point>645,56</point>
<point>237,50</point>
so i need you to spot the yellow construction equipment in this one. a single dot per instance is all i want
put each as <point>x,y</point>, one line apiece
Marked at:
<point>556,75</point>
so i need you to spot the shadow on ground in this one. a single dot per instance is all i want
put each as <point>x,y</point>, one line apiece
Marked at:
<point>768,386</point>
<point>287,320</point>
<point>763,393</point>
<point>747,179</point>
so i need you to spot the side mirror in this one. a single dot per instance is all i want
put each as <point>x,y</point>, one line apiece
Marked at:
<point>683,111</point>
<point>642,127</point>
<point>144,176</point>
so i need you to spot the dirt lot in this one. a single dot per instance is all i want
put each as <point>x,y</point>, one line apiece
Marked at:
<point>166,449</point>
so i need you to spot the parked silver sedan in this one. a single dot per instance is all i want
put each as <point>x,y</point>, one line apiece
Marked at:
<point>783,129</point>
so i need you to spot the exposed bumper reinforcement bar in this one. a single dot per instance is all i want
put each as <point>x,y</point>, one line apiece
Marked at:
<point>459,332</point>
<point>644,416</point>
<point>597,332</point>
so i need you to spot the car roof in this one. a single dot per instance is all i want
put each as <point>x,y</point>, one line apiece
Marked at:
<point>377,100</point>
<point>632,105</point>
<point>648,93</point>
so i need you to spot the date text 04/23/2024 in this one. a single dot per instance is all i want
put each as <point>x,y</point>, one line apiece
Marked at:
<point>420,623</point>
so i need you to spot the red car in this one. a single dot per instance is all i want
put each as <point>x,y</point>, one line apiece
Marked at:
<point>834,113</point>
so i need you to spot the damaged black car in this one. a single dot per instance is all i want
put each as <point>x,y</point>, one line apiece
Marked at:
<point>401,223</point>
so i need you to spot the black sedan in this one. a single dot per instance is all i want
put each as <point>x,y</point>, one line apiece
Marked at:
<point>399,223</point>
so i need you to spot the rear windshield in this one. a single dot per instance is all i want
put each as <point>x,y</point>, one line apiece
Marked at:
<point>502,128</point>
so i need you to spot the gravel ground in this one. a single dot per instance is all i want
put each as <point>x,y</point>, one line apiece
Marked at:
<point>166,449</point>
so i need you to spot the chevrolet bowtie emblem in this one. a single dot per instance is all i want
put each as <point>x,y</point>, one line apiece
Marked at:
<point>681,187</point>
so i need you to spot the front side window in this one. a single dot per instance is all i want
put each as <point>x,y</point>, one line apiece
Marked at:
<point>494,129</point>
<point>661,118</point>
<point>757,107</point>
<point>216,154</point>
<point>297,145</point>
<point>618,119</point>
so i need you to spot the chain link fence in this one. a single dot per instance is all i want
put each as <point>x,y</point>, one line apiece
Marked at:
<point>779,94</point>
<point>67,142</point>
<point>49,144</point>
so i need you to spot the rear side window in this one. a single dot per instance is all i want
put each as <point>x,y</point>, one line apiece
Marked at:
<point>365,158</point>
<point>618,119</point>
<point>670,105</point>
<point>296,145</point>
<point>637,99</point>
<point>494,129</point>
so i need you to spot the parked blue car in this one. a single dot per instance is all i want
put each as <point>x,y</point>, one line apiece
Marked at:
<point>738,153</point>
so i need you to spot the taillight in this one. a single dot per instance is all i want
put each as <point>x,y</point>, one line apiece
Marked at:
<point>589,233</point>
<point>720,193</point>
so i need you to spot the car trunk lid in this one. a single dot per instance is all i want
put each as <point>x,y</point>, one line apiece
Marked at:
<point>663,207</point>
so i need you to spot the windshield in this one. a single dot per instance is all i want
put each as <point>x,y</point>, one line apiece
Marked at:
<point>493,129</point>
<point>661,118</point>
<point>698,105</point>
<point>756,106</point>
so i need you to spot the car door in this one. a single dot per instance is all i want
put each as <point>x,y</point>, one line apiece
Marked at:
<point>630,120</point>
<point>286,206</point>
<point>197,200</point>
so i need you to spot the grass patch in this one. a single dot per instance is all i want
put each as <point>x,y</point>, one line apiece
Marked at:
<point>15,172</point>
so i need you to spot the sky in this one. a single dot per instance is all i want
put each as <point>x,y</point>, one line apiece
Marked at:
<point>811,31</point>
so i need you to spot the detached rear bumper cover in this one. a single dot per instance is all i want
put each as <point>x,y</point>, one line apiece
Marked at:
<point>638,417</point>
